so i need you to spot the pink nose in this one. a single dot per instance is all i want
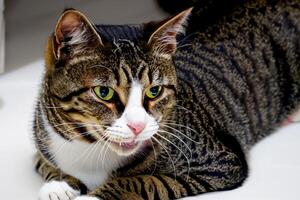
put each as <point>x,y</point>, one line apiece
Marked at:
<point>136,128</point>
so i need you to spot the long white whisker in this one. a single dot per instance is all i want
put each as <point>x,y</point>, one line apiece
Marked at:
<point>188,161</point>
<point>174,169</point>
<point>165,125</point>
<point>155,156</point>
<point>65,142</point>
<point>164,131</point>
<point>100,153</point>
<point>106,148</point>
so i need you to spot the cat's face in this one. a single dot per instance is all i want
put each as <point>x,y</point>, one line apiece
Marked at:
<point>113,93</point>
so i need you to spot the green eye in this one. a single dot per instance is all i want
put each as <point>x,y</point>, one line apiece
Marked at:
<point>153,92</point>
<point>104,93</point>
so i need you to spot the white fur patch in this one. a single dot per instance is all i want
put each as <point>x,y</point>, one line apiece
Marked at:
<point>90,163</point>
<point>134,112</point>
<point>57,190</point>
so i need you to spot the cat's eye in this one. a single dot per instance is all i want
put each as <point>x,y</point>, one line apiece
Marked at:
<point>153,92</point>
<point>104,93</point>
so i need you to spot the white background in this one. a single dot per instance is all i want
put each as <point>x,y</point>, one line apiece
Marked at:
<point>274,162</point>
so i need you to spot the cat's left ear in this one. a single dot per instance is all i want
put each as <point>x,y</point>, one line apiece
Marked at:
<point>74,33</point>
<point>162,41</point>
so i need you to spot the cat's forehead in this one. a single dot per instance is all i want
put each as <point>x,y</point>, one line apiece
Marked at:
<point>127,51</point>
<point>124,57</point>
<point>122,64</point>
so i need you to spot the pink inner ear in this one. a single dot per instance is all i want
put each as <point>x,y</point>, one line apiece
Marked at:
<point>67,25</point>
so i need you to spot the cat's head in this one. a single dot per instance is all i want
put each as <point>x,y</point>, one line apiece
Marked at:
<point>110,90</point>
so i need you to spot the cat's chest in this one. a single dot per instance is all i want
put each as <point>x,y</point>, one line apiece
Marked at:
<point>90,163</point>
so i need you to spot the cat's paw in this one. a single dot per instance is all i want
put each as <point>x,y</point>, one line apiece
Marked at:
<point>86,198</point>
<point>57,190</point>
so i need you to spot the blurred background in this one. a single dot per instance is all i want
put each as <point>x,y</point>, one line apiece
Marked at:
<point>29,22</point>
<point>274,162</point>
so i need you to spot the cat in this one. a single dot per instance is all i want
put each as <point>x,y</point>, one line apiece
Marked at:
<point>146,112</point>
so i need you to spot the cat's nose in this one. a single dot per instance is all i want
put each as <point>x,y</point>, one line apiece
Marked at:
<point>136,127</point>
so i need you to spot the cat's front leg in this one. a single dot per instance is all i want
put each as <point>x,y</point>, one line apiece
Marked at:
<point>125,197</point>
<point>144,187</point>
<point>221,169</point>
<point>58,186</point>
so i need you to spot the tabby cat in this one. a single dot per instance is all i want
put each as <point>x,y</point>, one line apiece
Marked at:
<point>144,112</point>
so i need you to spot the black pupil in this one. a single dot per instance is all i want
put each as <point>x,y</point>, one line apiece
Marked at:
<point>154,90</point>
<point>104,91</point>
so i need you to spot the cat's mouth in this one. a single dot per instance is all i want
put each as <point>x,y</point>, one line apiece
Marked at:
<point>126,148</point>
<point>127,145</point>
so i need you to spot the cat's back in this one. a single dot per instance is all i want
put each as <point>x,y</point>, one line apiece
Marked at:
<point>244,71</point>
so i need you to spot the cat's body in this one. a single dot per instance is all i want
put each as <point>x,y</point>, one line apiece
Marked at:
<point>242,64</point>
<point>235,82</point>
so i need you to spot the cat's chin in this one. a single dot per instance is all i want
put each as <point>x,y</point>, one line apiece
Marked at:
<point>127,148</point>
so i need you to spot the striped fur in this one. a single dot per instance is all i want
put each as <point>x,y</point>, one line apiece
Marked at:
<point>236,80</point>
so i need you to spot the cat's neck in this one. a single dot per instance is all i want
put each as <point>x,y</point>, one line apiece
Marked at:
<point>90,163</point>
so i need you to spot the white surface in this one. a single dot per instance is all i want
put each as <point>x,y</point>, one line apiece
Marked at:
<point>274,163</point>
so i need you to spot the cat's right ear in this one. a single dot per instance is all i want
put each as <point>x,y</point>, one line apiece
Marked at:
<point>74,34</point>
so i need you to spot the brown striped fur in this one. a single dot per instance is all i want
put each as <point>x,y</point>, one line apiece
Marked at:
<point>237,77</point>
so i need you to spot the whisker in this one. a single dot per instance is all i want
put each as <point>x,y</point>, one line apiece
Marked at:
<point>164,131</point>
<point>165,125</point>
<point>155,156</point>
<point>163,146</point>
<point>65,142</point>
<point>187,159</point>
<point>100,153</point>
<point>88,152</point>
<point>106,146</point>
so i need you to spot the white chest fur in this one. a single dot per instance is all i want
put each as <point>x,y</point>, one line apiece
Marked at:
<point>90,163</point>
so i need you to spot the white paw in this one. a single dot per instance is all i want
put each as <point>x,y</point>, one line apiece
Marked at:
<point>57,190</point>
<point>86,198</point>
